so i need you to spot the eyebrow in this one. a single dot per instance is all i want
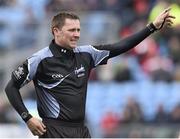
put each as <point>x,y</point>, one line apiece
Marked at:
<point>73,29</point>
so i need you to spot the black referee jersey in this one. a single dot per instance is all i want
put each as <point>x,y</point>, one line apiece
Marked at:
<point>60,79</point>
<point>60,76</point>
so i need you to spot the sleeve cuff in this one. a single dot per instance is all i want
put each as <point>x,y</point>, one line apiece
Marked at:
<point>151,27</point>
<point>26,116</point>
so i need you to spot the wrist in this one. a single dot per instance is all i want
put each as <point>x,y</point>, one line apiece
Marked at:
<point>152,28</point>
<point>26,116</point>
<point>155,25</point>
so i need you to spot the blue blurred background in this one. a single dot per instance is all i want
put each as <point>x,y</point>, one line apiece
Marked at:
<point>137,94</point>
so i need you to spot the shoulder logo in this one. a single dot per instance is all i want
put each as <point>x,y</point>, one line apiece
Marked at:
<point>19,72</point>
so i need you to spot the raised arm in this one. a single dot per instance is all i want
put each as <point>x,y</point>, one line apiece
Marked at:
<point>162,20</point>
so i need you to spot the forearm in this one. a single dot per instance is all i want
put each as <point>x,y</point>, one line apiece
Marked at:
<point>13,94</point>
<point>126,44</point>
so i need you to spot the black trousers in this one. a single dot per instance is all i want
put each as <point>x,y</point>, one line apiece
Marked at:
<point>59,129</point>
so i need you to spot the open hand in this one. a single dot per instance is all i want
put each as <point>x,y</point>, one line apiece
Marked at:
<point>163,19</point>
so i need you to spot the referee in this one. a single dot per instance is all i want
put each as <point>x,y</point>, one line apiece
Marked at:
<point>60,74</point>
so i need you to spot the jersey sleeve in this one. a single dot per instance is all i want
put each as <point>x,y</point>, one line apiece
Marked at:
<point>25,72</point>
<point>100,57</point>
<point>125,44</point>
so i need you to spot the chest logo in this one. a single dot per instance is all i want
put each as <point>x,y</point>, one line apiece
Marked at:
<point>57,76</point>
<point>80,72</point>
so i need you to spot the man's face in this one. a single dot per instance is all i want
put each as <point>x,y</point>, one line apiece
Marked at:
<point>69,34</point>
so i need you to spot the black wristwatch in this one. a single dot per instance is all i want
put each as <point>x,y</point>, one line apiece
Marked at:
<point>26,116</point>
<point>151,27</point>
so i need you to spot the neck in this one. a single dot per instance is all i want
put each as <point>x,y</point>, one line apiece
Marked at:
<point>60,44</point>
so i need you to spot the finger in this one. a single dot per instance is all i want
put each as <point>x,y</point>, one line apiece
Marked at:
<point>171,16</point>
<point>167,9</point>
<point>41,128</point>
<point>168,17</point>
<point>169,25</point>
<point>169,21</point>
<point>165,12</point>
<point>34,132</point>
<point>43,125</point>
<point>39,132</point>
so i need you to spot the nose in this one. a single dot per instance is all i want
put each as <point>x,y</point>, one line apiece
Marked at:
<point>76,34</point>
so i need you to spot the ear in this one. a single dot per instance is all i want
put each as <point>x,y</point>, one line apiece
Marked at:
<point>56,31</point>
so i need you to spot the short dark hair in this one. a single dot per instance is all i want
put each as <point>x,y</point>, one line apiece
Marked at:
<point>59,19</point>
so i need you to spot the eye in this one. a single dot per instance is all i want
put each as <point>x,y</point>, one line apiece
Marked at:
<point>74,30</point>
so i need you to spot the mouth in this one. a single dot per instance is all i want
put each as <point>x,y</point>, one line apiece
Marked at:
<point>74,41</point>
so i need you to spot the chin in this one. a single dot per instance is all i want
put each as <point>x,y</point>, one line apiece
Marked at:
<point>73,46</point>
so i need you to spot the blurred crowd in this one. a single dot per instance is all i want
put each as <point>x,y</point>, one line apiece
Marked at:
<point>25,23</point>
<point>157,58</point>
<point>112,124</point>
